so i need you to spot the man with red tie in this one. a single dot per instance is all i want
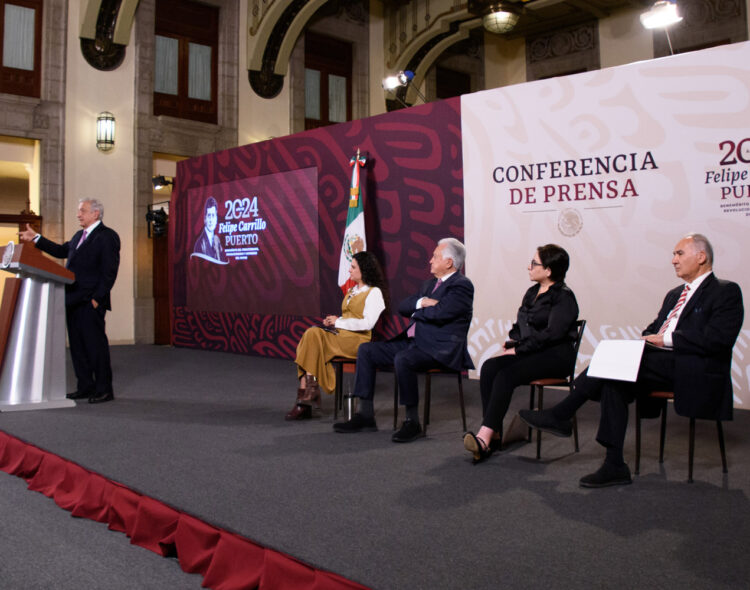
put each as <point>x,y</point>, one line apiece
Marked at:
<point>93,254</point>
<point>688,351</point>
<point>440,314</point>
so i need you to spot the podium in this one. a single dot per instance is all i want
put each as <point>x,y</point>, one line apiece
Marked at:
<point>32,331</point>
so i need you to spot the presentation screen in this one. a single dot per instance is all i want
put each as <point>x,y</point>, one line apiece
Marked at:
<point>255,245</point>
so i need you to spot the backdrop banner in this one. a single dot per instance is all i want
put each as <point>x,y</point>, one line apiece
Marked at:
<point>615,166</point>
<point>255,231</point>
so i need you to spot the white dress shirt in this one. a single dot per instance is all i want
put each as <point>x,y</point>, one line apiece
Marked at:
<point>374,306</point>
<point>673,322</point>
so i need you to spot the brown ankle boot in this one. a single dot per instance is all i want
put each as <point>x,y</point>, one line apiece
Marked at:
<point>312,391</point>
<point>299,412</point>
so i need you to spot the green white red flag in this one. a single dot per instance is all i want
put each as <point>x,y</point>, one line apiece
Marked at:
<point>354,234</point>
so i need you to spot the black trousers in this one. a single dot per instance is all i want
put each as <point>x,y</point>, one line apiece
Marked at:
<point>89,348</point>
<point>500,376</point>
<point>406,359</point>
<point>656,372</point>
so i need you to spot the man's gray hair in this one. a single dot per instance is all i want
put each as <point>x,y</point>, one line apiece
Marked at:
<point>703,245</point>
<point>454,250</point>
<point>96,205</point>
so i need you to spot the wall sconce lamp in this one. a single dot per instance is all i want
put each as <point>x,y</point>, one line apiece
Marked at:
<point>160,182</point>
<point>661,15</point>
<point>105,131</point>
<point>402,79</point>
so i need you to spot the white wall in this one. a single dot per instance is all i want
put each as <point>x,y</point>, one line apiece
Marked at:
<point>258,118</point>
<point>505,61</point>
<point>622,39</point>
<point>107,176</point>
<point>377,64</point>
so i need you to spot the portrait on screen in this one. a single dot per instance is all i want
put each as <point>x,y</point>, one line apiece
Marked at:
<point>208,244</point>
<point>257,250</point>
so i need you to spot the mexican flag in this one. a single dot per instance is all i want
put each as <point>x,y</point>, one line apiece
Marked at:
<point>354,234</point>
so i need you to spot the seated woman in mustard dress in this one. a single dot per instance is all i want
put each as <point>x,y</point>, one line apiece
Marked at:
<point>340,336</point>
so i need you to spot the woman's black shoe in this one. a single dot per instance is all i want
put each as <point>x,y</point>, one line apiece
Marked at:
<point>477,447</point>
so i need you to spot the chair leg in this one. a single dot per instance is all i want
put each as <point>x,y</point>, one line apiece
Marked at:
<point>539,432</point>
<point>575,433</point>
<point>427,396</point>
<point>395,402</point>
<point>691,450</point>
<point>637,437</point>
<point>663,431</point>
<point>721,446</point>
<point>532,391</point>
<point>461,400</point>
<point>338,402</point>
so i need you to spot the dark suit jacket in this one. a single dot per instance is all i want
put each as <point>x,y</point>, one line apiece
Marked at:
<point>442,329</point>
<point>702,342</point>
<point>95,264</point>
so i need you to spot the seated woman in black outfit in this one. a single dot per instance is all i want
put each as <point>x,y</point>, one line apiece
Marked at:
<point>540,345</point>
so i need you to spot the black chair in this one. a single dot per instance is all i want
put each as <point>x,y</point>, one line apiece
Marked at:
<point>428,394</point>
<point>664,397</point>
<point>343,365</point>
<point>538,385</point>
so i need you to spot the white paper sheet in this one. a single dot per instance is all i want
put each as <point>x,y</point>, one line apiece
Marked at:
<point>617,359</point>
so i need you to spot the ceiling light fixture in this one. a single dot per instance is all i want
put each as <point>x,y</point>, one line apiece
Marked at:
<point>501,19</point>
<point>402,79</point>
<point>662,14</point>
<point>160,182</point>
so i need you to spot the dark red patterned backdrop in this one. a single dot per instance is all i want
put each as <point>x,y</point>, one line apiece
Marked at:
<point>413,191</point>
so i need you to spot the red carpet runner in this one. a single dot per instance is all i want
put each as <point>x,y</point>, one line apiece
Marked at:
<point>225,560</point>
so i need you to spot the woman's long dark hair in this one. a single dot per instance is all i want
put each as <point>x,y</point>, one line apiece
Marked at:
<point>372,274</point>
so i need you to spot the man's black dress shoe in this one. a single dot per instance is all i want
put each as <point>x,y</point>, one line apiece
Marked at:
<point>358,423</point>
<point>77,395</point>
<point>102,397</point>
<point>607,475</point>
<point>408,432</point>
<point>546,422</point>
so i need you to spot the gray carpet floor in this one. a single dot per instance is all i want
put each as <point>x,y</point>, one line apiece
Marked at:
<point>204,432</point>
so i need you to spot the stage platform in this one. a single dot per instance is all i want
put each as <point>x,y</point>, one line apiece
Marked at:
<point>205,433</point>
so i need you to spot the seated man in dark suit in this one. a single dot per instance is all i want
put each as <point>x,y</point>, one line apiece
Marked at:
<point>440,315</point>
<point>688,351</point>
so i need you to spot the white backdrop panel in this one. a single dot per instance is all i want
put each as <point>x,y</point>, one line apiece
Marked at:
<point>615,166</point>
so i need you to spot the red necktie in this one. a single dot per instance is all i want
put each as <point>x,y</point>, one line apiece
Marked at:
<point>675,309</point>
<point>83,237</point>
<point>413,328</point>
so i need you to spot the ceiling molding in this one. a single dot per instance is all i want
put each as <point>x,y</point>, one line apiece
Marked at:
<point>270,49</point>
<point>105,31</point>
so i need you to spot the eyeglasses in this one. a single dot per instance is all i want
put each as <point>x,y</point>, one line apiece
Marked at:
<point>534,263</point>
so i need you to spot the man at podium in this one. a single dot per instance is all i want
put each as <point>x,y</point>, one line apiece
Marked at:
<point>93,254</point>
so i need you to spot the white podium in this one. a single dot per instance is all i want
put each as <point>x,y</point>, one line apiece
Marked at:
<point>32,331</point>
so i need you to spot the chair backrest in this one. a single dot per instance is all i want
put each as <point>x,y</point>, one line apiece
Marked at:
<point>581,326</point>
